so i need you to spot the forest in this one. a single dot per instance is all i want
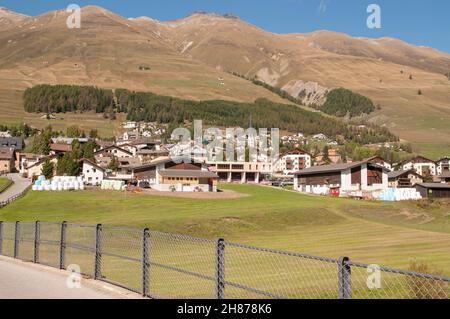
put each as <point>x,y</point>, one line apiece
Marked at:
<point>343,102</point>
<point>150,107</point>
<point>67,98</point>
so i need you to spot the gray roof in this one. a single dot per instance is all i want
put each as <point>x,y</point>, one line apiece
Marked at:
<point>333,168</point>
<point>187,173</point>
<point>434,185</point>
<point>396,174</point>
<point>14,142</point>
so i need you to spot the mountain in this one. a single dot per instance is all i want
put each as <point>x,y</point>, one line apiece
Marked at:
<point>193,57</point>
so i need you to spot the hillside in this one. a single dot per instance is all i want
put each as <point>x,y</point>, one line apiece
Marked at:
<point>191,58</point>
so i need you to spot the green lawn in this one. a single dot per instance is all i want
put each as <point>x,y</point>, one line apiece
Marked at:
<point>4,184</point>
<point>373,232</point>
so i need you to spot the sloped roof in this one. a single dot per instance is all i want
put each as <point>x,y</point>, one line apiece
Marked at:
<point>6,153</point>
<point>187,173</point>
<point>61,147</point>
<point>335,168</point>
<point>396,174</point>
<point>15,142</point>
<point>434,185</point>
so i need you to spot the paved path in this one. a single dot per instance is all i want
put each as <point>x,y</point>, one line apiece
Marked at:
<point>20,280</point>
<point>20,184</point>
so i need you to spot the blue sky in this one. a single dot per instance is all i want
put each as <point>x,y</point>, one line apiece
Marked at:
<point>416,21</point>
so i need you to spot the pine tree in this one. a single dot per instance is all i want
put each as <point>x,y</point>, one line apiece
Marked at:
<point>47,169</point>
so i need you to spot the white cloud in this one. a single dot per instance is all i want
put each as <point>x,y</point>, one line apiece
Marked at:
<point>323,6</point>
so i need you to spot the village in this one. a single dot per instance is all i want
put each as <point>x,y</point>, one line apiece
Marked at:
<point>139,160</point>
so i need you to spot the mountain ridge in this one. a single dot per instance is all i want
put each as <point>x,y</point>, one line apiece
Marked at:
<point>193,57</point>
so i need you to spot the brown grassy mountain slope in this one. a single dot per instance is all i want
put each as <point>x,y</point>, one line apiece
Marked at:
<point>107,51</point>
<point>187,57</point>
<point>378,68</point>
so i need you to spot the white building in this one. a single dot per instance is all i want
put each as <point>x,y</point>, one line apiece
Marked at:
<point>342,179</point>
<point>92,173</point>
<point>443,166</point>
<point>292,162</point>
<point>423,166</point>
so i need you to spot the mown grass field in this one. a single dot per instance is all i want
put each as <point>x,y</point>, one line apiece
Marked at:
<point>372,232</point>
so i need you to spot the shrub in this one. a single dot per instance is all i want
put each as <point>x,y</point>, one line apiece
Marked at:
<point>422,288</point>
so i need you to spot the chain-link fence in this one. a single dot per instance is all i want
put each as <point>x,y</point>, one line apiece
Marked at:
<point>160,265</point>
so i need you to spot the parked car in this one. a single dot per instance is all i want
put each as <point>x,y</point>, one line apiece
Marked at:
<point>144,185</point>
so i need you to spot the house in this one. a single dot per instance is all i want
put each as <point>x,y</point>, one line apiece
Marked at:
<point>381,161</point>
<point>433,190</point>
<point>92,173</point>
<point>333,155</point>
<point>69,140</point>
<point>33,170</point>
<point>404,179</point>
<point>14,142</point>
<point>340,179</point>
<point>113,151</point>
<point>186,178</point>
<point>444,177</point>
<point>242,172</point>
<point>60,149</point>
<point>7,160</point>
<point>443,165</point>
<point>423,166</point>
<point>165,175</point>
<point>293,161</point>
<point>320,137</point>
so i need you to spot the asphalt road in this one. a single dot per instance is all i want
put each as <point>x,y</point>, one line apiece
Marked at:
<point>20,184</point>
<point>20,280</point>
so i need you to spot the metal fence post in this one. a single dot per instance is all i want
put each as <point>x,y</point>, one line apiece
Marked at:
<point>16,240</point>
<point>1,238</point>
<point>220,269</point>
<point>345,278</point>
<point>62,247</point>
<point>37,238</point>
<point>145,262</point>
<point>98,252</point>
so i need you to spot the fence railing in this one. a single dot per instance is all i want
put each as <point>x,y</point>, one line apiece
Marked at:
<point>161,265</point>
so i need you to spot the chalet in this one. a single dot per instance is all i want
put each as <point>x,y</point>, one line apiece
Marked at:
<point>60,149</point>
<point>342,178</point>
<point>7,159</point>
<point>92,173</point>
<point>333,155</point>
<point>33,168</point>
<point>292,162</point>
<point>444,177</point>
<point>69,140</point>
<point>14,142</point>
<point>381,161</point>
<point>423,166</point>
<point>443,165</point>
<point>433,190</point>
<point>404,179</point>
<point>113,151</point>
<point>150,155</point>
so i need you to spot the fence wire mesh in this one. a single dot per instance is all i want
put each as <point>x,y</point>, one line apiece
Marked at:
<point>161,265</point>
<point>375,282</point>
<point>25,249</point>
<point>253,272</point>
<point>181,266</point>
<point>121,257</point>
<point>8,237</point>
<point>49,243</point>
<point>80,248</point>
